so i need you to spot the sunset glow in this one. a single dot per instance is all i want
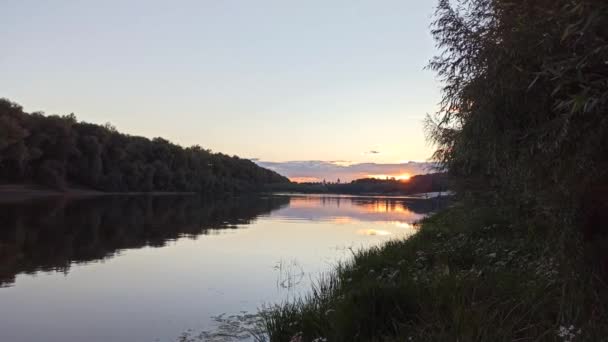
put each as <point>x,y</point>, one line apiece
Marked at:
<point>402,177</point>
<point>305,179</point>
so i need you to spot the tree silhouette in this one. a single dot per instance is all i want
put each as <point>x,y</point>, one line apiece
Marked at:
<point>60,152</point>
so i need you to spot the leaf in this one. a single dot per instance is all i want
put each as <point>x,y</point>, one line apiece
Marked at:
<point>556,90</point>
<point>534,81</point>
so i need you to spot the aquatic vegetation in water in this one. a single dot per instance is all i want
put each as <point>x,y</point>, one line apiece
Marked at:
<point>290,275</point>
<point>230,328</point>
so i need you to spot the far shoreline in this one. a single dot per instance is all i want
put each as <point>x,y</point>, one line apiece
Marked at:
<point>17,193</point>
<point>412,196</point>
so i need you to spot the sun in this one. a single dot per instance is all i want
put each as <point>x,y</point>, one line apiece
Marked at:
<point>404,177</point>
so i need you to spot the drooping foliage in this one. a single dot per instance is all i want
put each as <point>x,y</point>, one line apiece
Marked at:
<point>524,113</point>
<point>59,151</point>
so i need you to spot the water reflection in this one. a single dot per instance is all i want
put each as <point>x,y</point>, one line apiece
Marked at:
<point>345,210</point>
<point>52,235</point>
<point>154,268</point>
<point>373,232</point>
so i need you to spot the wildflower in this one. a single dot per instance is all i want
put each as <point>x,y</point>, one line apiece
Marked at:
<point>568,334</point>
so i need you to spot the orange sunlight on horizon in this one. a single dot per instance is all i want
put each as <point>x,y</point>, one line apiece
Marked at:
<point>305,179</point>
<point>402,177</point>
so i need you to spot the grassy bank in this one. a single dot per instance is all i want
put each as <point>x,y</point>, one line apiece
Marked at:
<point>465,276</point>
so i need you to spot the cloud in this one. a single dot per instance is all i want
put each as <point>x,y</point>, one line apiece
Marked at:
<point>311,170</point>
<point>372,152</point>
<point>342,162</point>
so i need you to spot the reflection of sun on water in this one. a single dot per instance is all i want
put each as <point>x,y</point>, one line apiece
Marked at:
<point>372,232</point>
<point>347,210</point>
<point>381,232</point>
<point>404,225</point>
<point>342,220</point>
<point>385,207</point>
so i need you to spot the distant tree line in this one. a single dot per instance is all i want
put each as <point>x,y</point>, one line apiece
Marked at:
<point>434,182</point>
<point>60,152</point>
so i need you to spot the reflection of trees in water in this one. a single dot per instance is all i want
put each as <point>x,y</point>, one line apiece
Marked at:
<point>50,235</point>
<point>417,206</point>
<point>386,204</point>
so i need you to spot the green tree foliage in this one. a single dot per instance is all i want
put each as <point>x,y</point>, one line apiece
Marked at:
<point>525,97</point>
<point>59,151</point>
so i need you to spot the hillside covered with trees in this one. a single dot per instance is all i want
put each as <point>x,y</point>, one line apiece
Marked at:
<point>61,152</point>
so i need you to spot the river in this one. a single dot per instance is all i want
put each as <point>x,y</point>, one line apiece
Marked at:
<point>161,268</point>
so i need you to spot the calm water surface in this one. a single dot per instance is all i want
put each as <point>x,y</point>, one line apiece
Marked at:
<point>152,268</point>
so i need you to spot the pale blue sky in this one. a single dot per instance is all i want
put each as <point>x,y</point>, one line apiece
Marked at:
<point>273,80</point>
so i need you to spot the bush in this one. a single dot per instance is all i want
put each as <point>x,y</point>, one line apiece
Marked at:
<point>524,103</point>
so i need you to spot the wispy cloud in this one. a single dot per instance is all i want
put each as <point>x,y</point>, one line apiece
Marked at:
<point>317,170</point>
<point>372,152</point>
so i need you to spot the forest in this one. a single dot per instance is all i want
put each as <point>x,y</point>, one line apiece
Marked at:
<point>61,152</point>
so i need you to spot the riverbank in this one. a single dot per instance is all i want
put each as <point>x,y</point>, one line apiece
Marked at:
<point>10,193</point>
<point>424,183</point>
<point>465,276</point>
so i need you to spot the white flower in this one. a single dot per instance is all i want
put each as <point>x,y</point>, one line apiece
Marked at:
<point>568,334</point>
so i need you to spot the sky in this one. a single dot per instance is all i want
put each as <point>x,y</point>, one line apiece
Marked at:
<point>276,81</point>
<point>334,171</point>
